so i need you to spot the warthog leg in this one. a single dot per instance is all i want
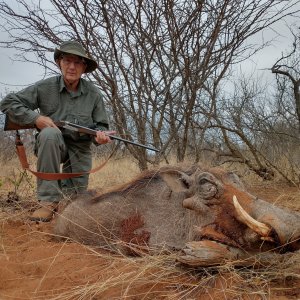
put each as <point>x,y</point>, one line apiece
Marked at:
<point>210,253</point>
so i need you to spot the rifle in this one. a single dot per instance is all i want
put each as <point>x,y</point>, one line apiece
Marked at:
<point>9,125</point>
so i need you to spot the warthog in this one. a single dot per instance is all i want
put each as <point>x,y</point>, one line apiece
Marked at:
<point>205,215</point>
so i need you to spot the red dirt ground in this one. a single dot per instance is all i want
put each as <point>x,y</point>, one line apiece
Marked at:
<point>35,266</point>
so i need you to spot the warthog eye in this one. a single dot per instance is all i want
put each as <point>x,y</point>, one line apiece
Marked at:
<point>207,187</point>
<point>203,181</point>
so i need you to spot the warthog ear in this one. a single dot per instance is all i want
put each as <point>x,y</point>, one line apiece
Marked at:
<point>176,180</point>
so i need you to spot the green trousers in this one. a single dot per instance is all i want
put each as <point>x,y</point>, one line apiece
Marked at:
<point>56,154</point>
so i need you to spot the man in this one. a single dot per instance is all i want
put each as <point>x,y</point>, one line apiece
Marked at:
<point>65,97</point>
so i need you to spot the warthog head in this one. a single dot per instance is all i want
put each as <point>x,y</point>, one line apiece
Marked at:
<point>241,225</point>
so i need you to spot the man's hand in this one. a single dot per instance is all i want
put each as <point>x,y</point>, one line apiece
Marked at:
<point>102,137</point>
<point>43,122</point>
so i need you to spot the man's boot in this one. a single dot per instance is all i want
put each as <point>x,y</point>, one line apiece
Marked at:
<point>45,212</point>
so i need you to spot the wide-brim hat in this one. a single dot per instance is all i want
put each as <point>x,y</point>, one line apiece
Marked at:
<point>75,48</point>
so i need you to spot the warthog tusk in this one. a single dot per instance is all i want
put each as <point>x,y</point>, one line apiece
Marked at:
<point>259,227</point>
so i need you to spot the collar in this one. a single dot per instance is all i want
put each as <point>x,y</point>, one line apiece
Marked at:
<point>62,86</point>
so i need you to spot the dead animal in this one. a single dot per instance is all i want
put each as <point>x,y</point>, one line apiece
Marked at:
<point>205,215</point>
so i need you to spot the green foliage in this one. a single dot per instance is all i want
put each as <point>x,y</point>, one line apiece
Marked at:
<point>17,179</point>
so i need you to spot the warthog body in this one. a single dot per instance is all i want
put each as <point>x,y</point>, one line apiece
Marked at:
<point>190,210</point>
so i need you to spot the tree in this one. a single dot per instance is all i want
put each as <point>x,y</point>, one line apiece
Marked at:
<point>287,71</point>
<point>156,58</point>
<point>248,127</point>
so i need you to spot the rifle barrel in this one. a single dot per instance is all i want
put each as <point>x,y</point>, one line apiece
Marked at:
<point>131,142</point>
<point>83,129</point>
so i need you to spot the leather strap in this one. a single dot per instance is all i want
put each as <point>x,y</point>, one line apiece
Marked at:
<point>50,176</point>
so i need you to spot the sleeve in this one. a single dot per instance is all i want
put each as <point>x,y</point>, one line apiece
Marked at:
<point>21,106</point>
<point>100,117</point>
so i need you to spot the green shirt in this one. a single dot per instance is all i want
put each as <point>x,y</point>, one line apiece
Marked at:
<point>50,98</point>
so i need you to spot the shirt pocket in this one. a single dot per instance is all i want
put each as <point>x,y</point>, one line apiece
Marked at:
<point>84,119</point>
<point>48,100</point>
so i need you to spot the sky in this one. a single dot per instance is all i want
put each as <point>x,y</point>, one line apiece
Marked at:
<point>281,41</point>
<point>15,75</point>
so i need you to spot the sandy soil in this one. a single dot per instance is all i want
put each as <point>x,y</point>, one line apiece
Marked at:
<point>36,266</point>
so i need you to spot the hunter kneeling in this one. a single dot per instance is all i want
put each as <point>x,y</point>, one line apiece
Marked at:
<point>65,97</point>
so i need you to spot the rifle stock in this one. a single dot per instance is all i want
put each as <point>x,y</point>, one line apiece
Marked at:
<point>10,125</point>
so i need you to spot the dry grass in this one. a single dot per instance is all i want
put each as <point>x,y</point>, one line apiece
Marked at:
<point>115,172</point>
<point>153,277</point>
<point>13,179</point>
<point>160,277</point>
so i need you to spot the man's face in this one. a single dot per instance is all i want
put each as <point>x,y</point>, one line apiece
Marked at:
<point>72,67</point>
